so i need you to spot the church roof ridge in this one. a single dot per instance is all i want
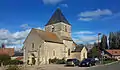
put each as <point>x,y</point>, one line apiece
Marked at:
<point>57,17</point>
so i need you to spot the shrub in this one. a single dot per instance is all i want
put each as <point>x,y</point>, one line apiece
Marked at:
<point>4,59</point>
<point>53,60</point>
<point>60,61</point>
<point>13,68</point>
<point>57,61</point>
<point>110,59</point>
<point>15,62</point>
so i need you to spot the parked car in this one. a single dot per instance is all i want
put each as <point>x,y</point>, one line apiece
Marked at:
<point>72,62</point>
<point>88,62</point>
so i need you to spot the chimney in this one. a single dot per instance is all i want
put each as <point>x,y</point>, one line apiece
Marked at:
<point>3,45</point>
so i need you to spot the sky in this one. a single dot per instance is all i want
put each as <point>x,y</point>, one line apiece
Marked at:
<point>87,17</point>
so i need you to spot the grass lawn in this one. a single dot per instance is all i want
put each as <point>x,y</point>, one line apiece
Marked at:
<point>108,61</point>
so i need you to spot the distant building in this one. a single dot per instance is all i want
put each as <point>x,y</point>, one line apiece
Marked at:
<point>80,53</point>
<point>7,51</point>
<point>112,53</point>
<point>89,47</point>
<point>17,56</point>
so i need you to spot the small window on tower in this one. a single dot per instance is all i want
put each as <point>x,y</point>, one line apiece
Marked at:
<point>53,29</point>
<point>65,28</point>
<point>32,45</point>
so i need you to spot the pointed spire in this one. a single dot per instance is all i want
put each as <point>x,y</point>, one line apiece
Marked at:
<point>57,17</point>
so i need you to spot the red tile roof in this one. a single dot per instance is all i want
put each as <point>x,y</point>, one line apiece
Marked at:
<point>114,52</point>
<point>19,58</point>
<point>7,51</point>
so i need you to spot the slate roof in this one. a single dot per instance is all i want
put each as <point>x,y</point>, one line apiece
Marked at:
<point>78,49</point>
<point>48,36</point>
<point>57,17</point>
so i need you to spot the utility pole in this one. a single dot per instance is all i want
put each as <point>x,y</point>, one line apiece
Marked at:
<point>99,46</point>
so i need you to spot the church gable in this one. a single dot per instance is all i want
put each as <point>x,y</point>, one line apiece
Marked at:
<point>32,35</point>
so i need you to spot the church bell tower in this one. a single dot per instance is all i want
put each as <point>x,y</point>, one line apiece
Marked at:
<point>58,24</point>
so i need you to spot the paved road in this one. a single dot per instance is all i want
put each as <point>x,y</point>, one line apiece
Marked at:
<point>115,66</point>
<point>60,67</point>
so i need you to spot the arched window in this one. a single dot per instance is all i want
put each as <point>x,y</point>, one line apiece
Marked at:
<point>65,28</point>
<point>32,45</point>
<point>53,53</point>
<point>53,28</point>
<point>68,52</point>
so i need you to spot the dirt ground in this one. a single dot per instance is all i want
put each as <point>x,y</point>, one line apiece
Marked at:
<point>49,67</point>
<point>54,67</point>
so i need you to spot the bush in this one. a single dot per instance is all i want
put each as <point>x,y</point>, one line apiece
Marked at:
<point>60,61</point>
<point>4,59</point>
<point>13,68</point>
<point>110,59</point>
<point>57,61</point>
<point>15,62</point>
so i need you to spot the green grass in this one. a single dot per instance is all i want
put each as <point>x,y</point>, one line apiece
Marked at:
<point>108,61</point>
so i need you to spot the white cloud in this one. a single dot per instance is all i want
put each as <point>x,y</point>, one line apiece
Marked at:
<point>51,1</point>
<point>90,15</point>
<point>84,37</point>
<point>96,13</point>
<point>77,40</point>
<point>25,26</point>
<point>21,34</point>
<point>12,39</point>
<point>114,16</point>
<point>64,5</point>
<point>85,19</point>
<point>84,32</point>
<point>88,38</point>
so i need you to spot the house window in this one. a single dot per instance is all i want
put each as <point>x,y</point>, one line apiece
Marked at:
<point>32,45</point>
<point>115,51</point>
<point>68,52</point>
<point>53,53</point>
<point>84,55</point>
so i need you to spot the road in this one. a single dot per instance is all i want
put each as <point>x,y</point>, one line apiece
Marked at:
<point>115,66</point>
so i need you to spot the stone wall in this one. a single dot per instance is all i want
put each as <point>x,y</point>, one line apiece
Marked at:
<point>60,29</point>
<point>29,48</point>
<point>54,50</point>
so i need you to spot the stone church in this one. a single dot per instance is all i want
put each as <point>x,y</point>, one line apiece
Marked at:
<point>53,42</point>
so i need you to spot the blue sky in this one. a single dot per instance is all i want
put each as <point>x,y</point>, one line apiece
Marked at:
<point>87,17</point>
